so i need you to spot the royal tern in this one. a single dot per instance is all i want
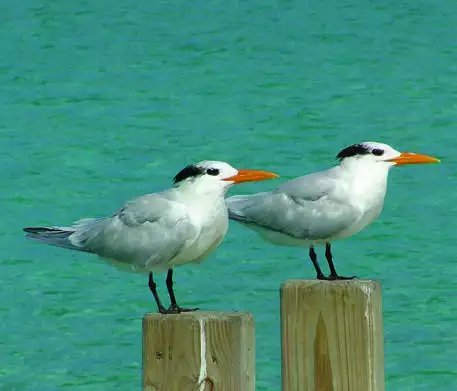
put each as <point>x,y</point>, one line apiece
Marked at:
<point>324,206</point>
<point>159,231</point>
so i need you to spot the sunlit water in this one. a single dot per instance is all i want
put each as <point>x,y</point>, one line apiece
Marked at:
<point>103,101</point>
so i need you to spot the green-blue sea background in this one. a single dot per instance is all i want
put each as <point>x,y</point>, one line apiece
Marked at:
<point>104,101</point>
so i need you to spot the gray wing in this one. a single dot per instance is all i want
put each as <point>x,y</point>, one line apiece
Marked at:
<point>307,208</point>
<point>146,232</point>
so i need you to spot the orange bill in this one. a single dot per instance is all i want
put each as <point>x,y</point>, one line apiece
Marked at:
<point>412,158</point>
<point>251,176</point>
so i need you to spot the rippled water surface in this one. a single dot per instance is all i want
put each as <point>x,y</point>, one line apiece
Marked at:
<point>103,101</point>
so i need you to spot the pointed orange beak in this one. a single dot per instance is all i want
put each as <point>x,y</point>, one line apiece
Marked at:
<point>251,176</point>
<point>412,158</point>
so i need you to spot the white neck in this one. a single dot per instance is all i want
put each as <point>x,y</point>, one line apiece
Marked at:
<point>204,189</point>
<point>368,180</point>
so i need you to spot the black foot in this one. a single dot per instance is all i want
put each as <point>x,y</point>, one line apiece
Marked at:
<point>174,307</point>
<point>335,277</point>
<point>178,309</point>
<point>168,311</point>
<point>163,310</point>
<point>175,310</point>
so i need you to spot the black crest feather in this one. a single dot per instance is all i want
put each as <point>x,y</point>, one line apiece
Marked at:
<point>353,150</point>
<point>187,172</point>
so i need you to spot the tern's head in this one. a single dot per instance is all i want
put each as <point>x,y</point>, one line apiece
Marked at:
<point>211,174</point>
<point>376,153</point>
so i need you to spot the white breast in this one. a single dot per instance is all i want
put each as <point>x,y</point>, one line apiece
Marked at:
<point>212,221</point>
<point>366,192</point>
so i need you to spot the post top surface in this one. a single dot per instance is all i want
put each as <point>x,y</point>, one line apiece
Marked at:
<point>365,285</point>
<point>201,315</point>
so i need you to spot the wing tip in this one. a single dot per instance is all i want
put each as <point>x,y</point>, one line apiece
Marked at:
<point>31,230</point>
<point>235,215</point>
<point>37,230</point>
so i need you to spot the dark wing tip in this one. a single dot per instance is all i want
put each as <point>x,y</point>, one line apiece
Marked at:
<point>30,230</point>
<point>36,230</point>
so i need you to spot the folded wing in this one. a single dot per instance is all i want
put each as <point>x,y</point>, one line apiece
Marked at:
<point>306,208</point>
<point>147,231</point>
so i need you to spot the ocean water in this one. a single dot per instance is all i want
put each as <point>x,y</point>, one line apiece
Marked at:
<point>104,101</point>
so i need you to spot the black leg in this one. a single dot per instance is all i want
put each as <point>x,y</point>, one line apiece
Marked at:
<point>329,257</point>
<point>174,307</point>
<point>153,288</point>
<point>313,256</point>
<point>333,274</point>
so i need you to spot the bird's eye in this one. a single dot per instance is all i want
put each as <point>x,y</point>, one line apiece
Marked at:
<point>212,171</point>
<point>377,152</point>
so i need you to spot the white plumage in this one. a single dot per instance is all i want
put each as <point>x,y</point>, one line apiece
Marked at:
<point>159,231</point>
<point>324,206</point>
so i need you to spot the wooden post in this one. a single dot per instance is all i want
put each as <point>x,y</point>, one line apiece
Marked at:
<point>332,336</point>
<point>199,351</point>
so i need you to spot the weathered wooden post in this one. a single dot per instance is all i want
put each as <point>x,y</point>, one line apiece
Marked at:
<point>332,336</point>
<point>199,351</point>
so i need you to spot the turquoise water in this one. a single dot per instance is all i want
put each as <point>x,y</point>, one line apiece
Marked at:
<point>103,101</point>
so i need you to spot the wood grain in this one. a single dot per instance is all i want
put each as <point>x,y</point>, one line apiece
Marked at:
<point>199,351</point>
<point>332,336</point>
